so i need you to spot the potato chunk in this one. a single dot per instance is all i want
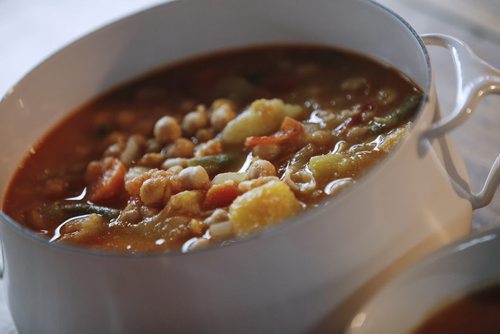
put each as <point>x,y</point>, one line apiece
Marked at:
<point>263,117</point>
<point>262,206</point>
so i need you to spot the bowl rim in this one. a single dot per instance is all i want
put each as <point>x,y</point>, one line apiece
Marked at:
<point>268,232</point>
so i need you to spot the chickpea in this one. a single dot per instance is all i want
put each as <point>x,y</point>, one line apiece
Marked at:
<point>204,135</point>
<point>232,177</point>
<point>133,149</point>
<point>193,178</point>
<point>195,120</point>
<point>197,227</point>
<point>166,130</point>
<point>169,163</point>
<point>155,191</point>
<point>221,231</point>
<point>200,243</point>
<point>211,147</point>
<point>219,215</point>
<point>151,160</point>
<point>266,151</point>
<point>223,112</point>
<point>175,169</point>
<point>261,168</point>
<point>181,148</point>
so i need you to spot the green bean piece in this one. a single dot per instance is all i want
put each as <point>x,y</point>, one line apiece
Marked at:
<point>404,110</point>
<point>73,209</point>
<point>212,163</point>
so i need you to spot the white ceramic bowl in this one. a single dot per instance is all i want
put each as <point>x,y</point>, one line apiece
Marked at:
<point>291,278</point>
<point>447,275</point>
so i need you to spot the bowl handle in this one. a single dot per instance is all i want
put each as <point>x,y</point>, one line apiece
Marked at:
<point>475,79</point>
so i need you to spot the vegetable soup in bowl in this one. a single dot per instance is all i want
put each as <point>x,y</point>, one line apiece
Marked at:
<point>253,172</point>
<point>211,149</point>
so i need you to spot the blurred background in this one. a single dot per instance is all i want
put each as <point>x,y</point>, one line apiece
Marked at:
<point>31,30</point>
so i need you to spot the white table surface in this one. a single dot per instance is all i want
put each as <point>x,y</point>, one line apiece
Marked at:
<point>31,30</point>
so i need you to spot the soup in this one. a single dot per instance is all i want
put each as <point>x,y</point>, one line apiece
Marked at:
<point>478,312</point>
<point>211,149</point>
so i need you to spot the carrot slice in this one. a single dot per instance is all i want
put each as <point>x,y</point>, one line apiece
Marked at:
<point>105,179</point>
<point>220,195</point>
<point>289,130</point>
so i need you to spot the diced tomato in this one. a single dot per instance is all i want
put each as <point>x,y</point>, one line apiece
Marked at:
<point>289,130</point>
<point>105,179</point>
<point>254,141</point>
<point>220,195</point>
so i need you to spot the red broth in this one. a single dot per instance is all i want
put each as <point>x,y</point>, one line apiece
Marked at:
<point>211,149</point>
